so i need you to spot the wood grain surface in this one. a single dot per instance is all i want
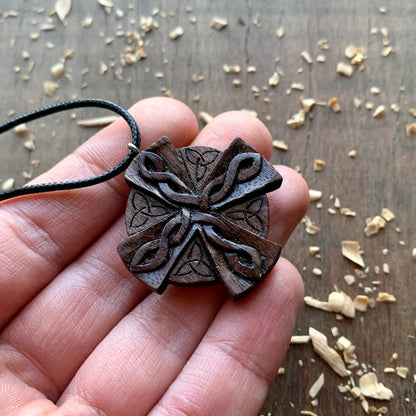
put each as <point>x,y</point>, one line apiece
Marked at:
<point>381,175</point>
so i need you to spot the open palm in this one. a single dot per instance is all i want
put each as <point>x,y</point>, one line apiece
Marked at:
<point>80,336</point>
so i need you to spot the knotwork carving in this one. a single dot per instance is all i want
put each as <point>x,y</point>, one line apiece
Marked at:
<point>199,216</point>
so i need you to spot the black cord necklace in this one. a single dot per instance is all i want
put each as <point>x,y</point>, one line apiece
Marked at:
<point>194,215</point>
<point>82,183</point>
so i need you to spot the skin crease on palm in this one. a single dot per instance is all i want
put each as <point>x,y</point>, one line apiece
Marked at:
<point>81,336</point>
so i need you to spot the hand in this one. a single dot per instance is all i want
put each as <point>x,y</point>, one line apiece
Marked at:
<point>81,336</point>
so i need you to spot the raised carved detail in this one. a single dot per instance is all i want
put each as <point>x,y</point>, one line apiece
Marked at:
<point>199,216</point>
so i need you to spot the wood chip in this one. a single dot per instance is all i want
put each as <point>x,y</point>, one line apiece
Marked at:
<point>306,57</point>
<point>338,302</point>
<point>402,372</point>
<point>300,339</point>
<point>281,145</point>
<point>7,184</point>
<point>317,386</point>
<point>379,111</point>
<point>320,58</point>
<point>281,371</point>
<point>21,130</point>
<point>297,120</point>
<point>345,69</point>
<point>387,214</point>
<point>318,165</point>
<point>314,250</point>
<point>314,195</point>
<point>176,33</point>
<point>410,128</point>
<point>219,23</point>
<point>205,117</point>
<point>50,88</point>
<point>351,250</point>
<point>280,32</point>
<point>333,103</point>
<point>386,297</point>
<point>317,272</point>
<point>370,387</point>
<point>361,303</point>
<point>57,70</point>
<point>414,254</point>
<point>374,226</point>
<point>62,8</point>
<point>328,354</point>
<point>310,228</point>
<point>307,103</point>
<point>297,86</point>
<point>274,80</point>
<point>106,3</point>
<point>97,121</point>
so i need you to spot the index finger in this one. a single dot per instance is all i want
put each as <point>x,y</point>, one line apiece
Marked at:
<point>44,233</point>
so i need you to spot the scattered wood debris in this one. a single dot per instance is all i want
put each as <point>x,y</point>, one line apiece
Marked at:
<point>176,33</point>
<point>318,165</point>
<point>410,128</point>
<point>219,23</point>
<point>281,145</point>
<point>310,228</point>
<point>317,386</point>
<point>351,250</point>
<point>374,225</point>
<point>21,130</point>
<point>205,117</point>
<point>370,387</point>
<point>306,57</point>
<point>97,121</point>
<point>345,69</point>
<point>379,111</point>
<point>7,184</point>
<point>307,103</point>
<point>386,297</point>
<point>300,339</point>
<point>338,302</point>
<point>334,105</point>
<point>402,372</point>
<point>62,8</point>
<point>297,120</point>
<point>274,80</point>
<point>328,354</point>
<point>50,88</point>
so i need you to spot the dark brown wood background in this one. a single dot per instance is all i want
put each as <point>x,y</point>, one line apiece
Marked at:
<point>381,175</point>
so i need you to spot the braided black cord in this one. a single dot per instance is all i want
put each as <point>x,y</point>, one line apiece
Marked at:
<point>81,183</point>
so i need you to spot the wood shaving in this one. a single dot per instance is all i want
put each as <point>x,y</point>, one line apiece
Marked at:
<point>338,302</point>
<point>307,103</point>
<point>106,3</point>
<point>320,58</point>
<point>300,339</point>
<point>297,86</point>
<point>386,268</point>
<point>280,32</point>
<point>62,8</point>
<point>219,23</point>
<point>297,120</point>
<point>281,371</point>
<point>379,111</point>
<point>314,250</point>
<point>352,153</point>
<point>375,90</point>
<point>310,228</point>
<point>87,21</point>
<point>306,57</point>
<point>386,297</point>
<point>50,88</point>
<point>97,121</point>
<point>21,130</point>
<point>205,117</point>
<point>387,214</point>
<point>374,225</point>
<point>318,165</point>
<point>370,387</point>
<point>414,254</point>
<point>274,80</point>
<point>369,105</point>
<point>351,250</point>
<point>334,105</point>
<point>281,145</point>
<point>314,195</point>
<point>410,128</point>
<point>317,272</point>
<point>328,354</point>
<point>7,184</point>
<point>57,70</point>
<point>402,372</point>
<point>317,386</point>
<point>361,303</point>
<point>176,33</point>
<point>233,69</point>
<point>345,69</point>
<point>349,279</point>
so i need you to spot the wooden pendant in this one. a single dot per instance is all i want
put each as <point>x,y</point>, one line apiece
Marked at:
<point>198,216</point>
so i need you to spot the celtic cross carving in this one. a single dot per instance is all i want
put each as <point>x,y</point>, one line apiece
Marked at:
<point>199,216</point>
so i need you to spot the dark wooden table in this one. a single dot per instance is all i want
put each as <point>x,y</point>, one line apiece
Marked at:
<point>381,175</point>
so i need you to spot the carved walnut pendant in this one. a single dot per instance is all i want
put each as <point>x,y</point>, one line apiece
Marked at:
<point>200,216</point>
